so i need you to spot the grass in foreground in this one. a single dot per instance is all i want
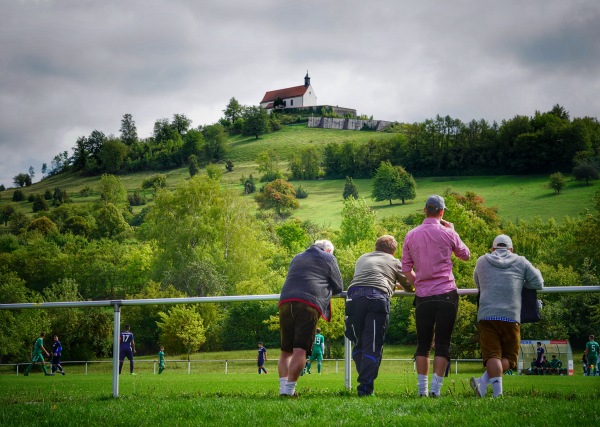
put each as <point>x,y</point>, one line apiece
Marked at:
<point>251,399</point>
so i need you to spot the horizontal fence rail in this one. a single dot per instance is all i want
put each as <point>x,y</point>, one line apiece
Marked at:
<point>117,304</point>
<point>243,365</point>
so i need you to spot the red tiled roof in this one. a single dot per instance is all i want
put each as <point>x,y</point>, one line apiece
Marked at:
<point>269,105</point>
<point>289,92</point>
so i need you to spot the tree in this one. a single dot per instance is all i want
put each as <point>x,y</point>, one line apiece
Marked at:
<point>112,190</point>
<point>6,211</point>
<point>350,189</point>
<point>112,155</point>
<point>279,195</point>
<point>31,172</point>
<point>44,168</point>
<point>2,187</point>
<point>181,123</point>
<point>18,196</point>
<point>110,221</point>
<point>256,121</point>
<point>249,185</point>
<point>557,182</point>
<point>39,204</point>
<point>305,163</point>
<point>215,142</point>
<point>22,180</point>
<point>392,182</point>
<point>43,225</point>
<point>358,221</point>
<point>586,170</point>
<point>194,167</point>
<point>268,165</point>
<point>233,111</point>
<point>181,329</point>
<point>128,130</point>
<point>229,165</point>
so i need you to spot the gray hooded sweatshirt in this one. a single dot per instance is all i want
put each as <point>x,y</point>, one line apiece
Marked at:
<point>500,277</point>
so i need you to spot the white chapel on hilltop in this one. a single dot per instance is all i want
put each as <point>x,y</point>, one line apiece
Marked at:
<point>291,97</point>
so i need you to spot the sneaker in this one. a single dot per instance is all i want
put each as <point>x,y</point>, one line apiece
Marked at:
<point>26,373</point>
<point>432,394</point>
<point>422,394</point>
<point>62,373</point>
<point>474,383</point>
<point>133,373</point>
<point>291,396</point>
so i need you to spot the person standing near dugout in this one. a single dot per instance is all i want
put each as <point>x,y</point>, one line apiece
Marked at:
<point>591,351</point>
<point>427,264</point>
<point>313,278</point>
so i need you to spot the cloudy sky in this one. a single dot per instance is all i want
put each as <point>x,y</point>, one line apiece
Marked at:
<point>69,67</point>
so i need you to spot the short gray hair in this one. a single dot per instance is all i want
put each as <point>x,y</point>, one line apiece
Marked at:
<point>325,245</point>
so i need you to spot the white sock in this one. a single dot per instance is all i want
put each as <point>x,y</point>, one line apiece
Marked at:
<point>496,386</point>
<point>282,382</point>
<point>436,384</point>
<point>423,383</point>
<point>484,382</point>
<point>290,387</point>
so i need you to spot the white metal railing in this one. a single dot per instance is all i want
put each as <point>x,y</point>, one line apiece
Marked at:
<point>117,304</point>
<point>225,362</point>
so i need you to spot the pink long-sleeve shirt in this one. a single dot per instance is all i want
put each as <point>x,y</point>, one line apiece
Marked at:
<point>428,249</point>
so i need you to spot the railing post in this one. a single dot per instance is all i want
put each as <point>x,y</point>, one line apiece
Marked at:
<point>347,363</point>
<point>116,334</point>
<point>17,369</point>
<point>226,366</point>
<point>189,366</point>
<point>86,367</point>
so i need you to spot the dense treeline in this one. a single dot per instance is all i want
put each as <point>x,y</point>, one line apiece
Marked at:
<point>545,143</point>
<point>200,240</point>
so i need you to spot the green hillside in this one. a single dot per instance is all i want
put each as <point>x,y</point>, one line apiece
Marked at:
<point>516,197</point>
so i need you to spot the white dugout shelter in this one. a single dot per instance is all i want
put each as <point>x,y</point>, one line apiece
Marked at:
<point>560,348</point>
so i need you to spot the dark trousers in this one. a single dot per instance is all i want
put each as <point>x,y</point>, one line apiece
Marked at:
<point>366,323</point>
<point>435,317</point>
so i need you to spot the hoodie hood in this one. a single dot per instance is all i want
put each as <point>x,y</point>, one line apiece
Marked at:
<point>501,258</point>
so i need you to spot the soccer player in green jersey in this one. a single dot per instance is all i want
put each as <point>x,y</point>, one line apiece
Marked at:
<point>37,355</point>
<point>161,360</point>
<point>317,352</point>
<point>591,351</point>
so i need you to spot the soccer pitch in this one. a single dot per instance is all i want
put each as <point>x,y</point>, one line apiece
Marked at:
<point>244,399</point>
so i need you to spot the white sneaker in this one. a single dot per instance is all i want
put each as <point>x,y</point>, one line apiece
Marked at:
<point>474,383</point>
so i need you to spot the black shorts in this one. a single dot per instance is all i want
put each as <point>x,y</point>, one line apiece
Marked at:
<point>56,360</point>
<point>125,353</point>
<point>297,324</point>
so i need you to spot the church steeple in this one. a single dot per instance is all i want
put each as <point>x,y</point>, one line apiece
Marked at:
<point>306,79</point>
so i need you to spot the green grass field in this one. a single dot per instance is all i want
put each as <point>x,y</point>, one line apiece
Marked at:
<point>175,398</point>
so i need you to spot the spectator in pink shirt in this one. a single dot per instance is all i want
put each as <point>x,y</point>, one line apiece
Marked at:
<point>427,264</point>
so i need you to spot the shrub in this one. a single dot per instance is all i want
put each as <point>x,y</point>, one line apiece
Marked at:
<point>301,193</point>
<point>18,196</point>
<point>229,166</point>
<point>43,225</point>
<point>156,181</point>
<point>136,199</point>
<point>48,195</point>
<point>39,204</point>
<point>85,191</point>
<point>31,198</point>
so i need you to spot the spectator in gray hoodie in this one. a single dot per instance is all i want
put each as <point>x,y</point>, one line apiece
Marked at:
<point>500,277</point>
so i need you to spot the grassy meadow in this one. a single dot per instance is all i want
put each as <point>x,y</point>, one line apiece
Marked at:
<point>245,399</point>
<point>516,197</point>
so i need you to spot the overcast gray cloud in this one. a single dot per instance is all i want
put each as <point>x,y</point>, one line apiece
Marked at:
<point>69,67</point>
